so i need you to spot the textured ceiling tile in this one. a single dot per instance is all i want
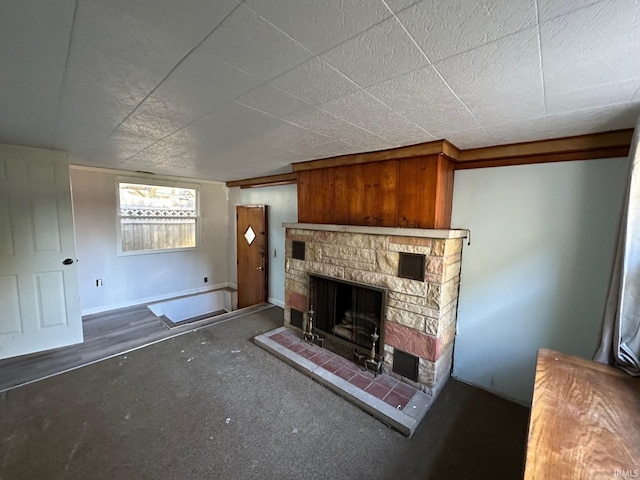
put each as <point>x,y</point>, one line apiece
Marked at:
<point>121,50</point>
<point>253,45</point>
<point>500,113</point>
<point>422,97</point>
<point>548,9</point>
<point>321,24</point>
<point>168,148</point>
<point>151,126</point>
<point>121,148</point>
<point>636,97</point>
<point>325,124</point>
<point>332,149</point>
<point>579,122</point>
<point>153,38</point>
<point>272,100</point>
<point>499,81</point>
<point>397,5</point>
<point>444,28</point>
<point>592,46</point>
<point>607,94</point>
<point>143,161</point>
<point>34,38</point>
<point>365,111</point>
<point>475,138</point>
<point>247,117</point>
<point>314,82</point>
<point>508,68</point>
<point>378,54</point>
<point>200,84</point>
<point>294,138</point>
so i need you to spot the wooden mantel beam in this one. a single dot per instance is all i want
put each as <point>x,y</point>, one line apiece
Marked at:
<point>282,179</point>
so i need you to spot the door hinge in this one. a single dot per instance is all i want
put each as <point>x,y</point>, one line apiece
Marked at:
<point>237,261</point>
<point>237,216</point>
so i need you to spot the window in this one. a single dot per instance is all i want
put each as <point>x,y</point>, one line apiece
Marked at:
<point>157,217</point>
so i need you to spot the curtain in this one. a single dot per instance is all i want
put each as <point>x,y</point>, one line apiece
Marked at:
<point>620,339</point>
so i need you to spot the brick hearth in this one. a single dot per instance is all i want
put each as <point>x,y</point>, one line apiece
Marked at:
<point>420,315</point>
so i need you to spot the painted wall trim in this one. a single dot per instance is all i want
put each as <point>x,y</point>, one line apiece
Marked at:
<point>276,302</point>
<point>157,298</point>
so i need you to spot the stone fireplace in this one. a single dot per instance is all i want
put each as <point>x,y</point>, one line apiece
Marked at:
<point>417,271</point>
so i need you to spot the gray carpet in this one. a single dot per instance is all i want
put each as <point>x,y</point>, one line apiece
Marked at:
<point>210,404</point>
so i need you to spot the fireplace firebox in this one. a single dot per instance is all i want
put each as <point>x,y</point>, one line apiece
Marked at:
<point>349,315</point>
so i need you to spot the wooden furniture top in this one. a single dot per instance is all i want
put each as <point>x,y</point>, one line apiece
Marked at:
<point>585,421</point>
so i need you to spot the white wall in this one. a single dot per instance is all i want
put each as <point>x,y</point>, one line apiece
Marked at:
<point>537,270</point>
<point>134,279</point>
<point>282,207</point>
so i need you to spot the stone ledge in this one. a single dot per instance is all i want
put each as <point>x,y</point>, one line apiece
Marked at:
<point>402,232</point>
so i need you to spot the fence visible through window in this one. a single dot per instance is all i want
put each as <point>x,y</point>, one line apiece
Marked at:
<point>157,217</point>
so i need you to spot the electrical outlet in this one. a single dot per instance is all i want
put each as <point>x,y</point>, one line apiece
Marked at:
<point>274,253</point>
<point>206,279</point>
<point>99,282</point>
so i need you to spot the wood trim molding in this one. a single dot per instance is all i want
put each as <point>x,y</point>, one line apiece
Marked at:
<point>555,146</point>
<point>611,152</point>
<point>580,147</point>
<point>282,179</point>
<point>430,148</point>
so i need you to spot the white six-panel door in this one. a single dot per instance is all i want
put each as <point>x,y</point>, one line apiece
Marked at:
<point>39,302</point>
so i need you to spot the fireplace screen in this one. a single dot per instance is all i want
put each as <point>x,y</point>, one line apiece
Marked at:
<point>349,314</point>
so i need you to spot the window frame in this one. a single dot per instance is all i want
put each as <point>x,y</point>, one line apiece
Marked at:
<point>156,183</point>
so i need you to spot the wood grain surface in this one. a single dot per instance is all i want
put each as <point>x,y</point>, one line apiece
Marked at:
<point>410,192</point>
<point>585,421</point>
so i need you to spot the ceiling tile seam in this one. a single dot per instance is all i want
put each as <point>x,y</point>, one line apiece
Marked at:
<point>309,129</point>
<point>64,72</point>
<point>434,68</point>
<point>490,42</point>
<point>584,7</point>
<point>585,89</point>
<point>539,37</point>
<point>173,69</point>
<point>241,4</point>
<point>558,114</point>
<point>311,106</point>
<point>398,113</point>
<point>327,49</point>
<point>226,121</point>
<point>354,125</point>
<point>279,30</point>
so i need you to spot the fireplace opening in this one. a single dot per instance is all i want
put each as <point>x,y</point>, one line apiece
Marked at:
<point>349,315</point>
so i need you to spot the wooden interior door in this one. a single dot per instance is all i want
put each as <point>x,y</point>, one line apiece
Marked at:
<point>252,251</point>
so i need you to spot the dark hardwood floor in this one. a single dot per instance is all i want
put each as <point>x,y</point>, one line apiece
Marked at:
<point>105,335</point>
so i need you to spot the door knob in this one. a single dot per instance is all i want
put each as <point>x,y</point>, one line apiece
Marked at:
<point>260,269</point>
<point>67,261</point>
